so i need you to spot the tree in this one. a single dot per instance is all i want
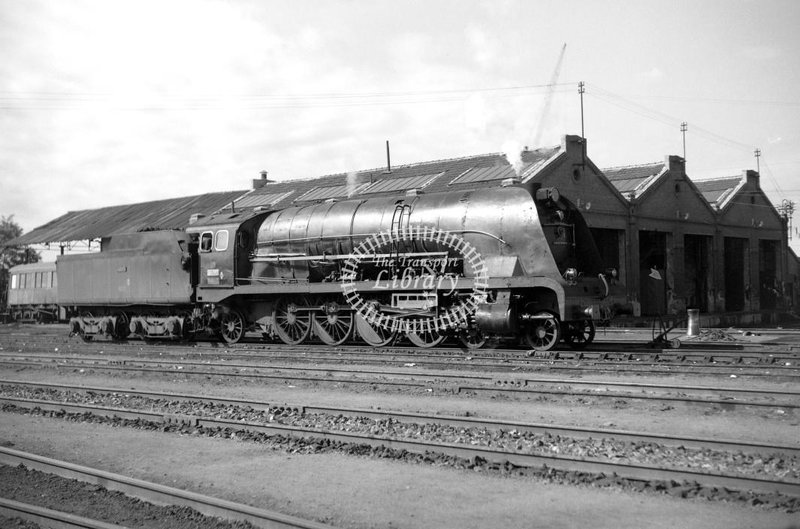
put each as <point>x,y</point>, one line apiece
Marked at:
<point>11,255</point>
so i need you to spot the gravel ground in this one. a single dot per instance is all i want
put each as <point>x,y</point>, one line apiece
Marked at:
<point>702,460</point>
<point>97,503</point>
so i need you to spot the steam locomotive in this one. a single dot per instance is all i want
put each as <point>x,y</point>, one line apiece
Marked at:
<point>513,262</point>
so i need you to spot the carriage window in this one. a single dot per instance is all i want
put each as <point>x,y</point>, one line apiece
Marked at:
<point>37,280</point>
<point>53,280</point>
<point>221,242</point>
<point>206,241</point>
<point>13,281</point>
<point>46,280</point>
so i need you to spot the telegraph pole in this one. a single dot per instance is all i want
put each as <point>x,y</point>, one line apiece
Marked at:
<point>757,154</point>
<point>581,90</point>
<point>684,128</point>
<point>786,210</point>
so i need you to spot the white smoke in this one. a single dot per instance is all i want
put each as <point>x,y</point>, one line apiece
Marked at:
<point>513,152</point>
<point>352,183</point>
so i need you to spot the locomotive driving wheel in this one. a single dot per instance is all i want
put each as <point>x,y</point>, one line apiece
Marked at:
<point>422,333</point>
<point>232,326</point>
<point>580,333</point>
<point>374,335</point>
<point>334,324</point>
<point>544,331</point>
<point>292,320</point>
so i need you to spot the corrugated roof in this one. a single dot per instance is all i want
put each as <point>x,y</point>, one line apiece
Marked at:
<point>87,224</point>
<point>433,177</point>
<point>632,180</point>
<point>718,189</point>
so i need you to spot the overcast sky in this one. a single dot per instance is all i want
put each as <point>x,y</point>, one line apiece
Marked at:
<point>111,102</point>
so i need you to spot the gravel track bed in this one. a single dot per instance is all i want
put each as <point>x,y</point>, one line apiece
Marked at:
<point>777,465</point>
<point>97,503</point>
<point>302,446</point>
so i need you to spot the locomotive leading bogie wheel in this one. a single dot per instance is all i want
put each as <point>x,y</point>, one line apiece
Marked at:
<point>543,332</point>
<point>374,335</point>
<point>423,333</point>
<point>580,333</point>
<point>334,324</point>
<point>232,326</point>
<point>292,321</point>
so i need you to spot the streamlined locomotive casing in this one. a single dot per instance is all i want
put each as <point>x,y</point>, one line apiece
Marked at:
<point>537,252</point>
<point>502,224</point>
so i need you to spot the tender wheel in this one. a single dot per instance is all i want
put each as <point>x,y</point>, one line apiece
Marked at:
<point>422,333</point>
<point>374,335</point>
<point>292,321</point>
<point>232,326</point>
<point>544,332</point>
<point>121,328</point>
<point>334,325</point>
<point>581,333</point>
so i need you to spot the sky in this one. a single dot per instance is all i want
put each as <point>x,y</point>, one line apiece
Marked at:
<point>107,102</point>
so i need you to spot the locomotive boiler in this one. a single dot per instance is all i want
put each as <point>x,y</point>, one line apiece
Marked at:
<point>513,262</point>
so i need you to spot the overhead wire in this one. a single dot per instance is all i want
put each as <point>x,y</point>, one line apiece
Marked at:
<point>165,102</point>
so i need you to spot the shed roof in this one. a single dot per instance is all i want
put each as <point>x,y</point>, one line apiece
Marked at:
<point>633,180</point>
<point>453,174</point>
<point>717,190</point>
<point>86,224</point>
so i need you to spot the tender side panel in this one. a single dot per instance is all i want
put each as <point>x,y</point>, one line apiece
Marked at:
<point>142,268</point>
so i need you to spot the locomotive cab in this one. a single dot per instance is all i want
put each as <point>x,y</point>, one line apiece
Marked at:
<point>224,243</point>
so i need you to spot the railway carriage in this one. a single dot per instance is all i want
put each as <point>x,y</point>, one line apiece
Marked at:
<point>33,293</point>
<point>515,262</point>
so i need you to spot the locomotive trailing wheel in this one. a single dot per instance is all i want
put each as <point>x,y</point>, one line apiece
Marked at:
<point>231,326</point>
<point>334,324</point>
<point>472,338</point>
<point>544,332</point>
<point>580,333</point>
<point>374,335</point>
<point>292,321</point>
<point>423,333</point>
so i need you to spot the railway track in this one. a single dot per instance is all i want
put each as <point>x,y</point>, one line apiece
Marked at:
<point>149,492</point>
<point>704,353</point>
<point>459,383</point>
<point>784,368</point>
<point>626,468</point>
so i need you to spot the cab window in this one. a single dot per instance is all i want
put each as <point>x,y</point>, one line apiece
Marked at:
<point>221,241</point>
<point>206,240</point>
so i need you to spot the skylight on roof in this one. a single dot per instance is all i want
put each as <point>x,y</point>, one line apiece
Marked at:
<point>484,174</point>
<point>265,199</point>
<point>401,184</point>
<point>325,193</point>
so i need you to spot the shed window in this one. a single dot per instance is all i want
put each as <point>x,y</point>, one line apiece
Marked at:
<point>206,241</point>
<point>14,282</point>
<point>221,241</point>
